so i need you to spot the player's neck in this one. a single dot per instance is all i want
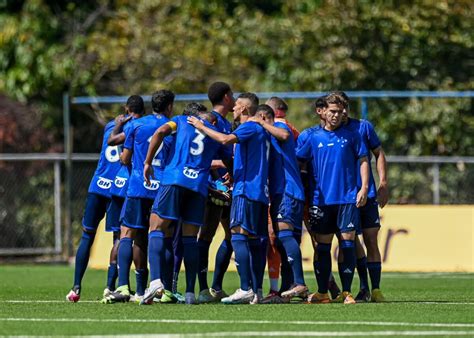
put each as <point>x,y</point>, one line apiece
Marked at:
<point>330,127</point>
<point>220,109</point>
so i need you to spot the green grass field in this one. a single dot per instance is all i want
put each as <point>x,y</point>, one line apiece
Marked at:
<point>32,303</point>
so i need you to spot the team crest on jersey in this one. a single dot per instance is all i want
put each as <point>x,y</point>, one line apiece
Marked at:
<point>104,183</point>
<point>154,185</point>
<point>120,181</point>
<point>190,173</point>
<point>112,154</point>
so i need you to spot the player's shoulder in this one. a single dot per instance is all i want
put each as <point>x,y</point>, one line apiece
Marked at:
<point>280,124</point>
<point>110,125</point>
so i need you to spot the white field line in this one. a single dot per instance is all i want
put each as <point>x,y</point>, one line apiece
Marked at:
<point>55,301</point>
<point>300,334</point>
<point>209,321</point>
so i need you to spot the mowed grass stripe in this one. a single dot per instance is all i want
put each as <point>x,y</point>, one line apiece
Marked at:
<point>219,321</point>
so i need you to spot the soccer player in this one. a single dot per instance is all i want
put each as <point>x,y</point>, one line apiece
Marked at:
<point>249,203</point>
<point>182,196</point>
<point>98,199</point>
<point>141,194</point>
<point>135,108</point>
<point>286,198</point>
<point>335,152</point>
<point>369,213</point>
<point>222,99</point>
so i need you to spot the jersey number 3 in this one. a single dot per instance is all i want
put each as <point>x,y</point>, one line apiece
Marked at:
<point>198,140</point>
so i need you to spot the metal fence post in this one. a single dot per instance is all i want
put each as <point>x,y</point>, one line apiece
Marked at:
<point>57,208</point>
<point>68,174</point>
<point>435,183</point>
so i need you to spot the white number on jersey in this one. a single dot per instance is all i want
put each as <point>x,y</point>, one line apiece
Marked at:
<point>198,140</point>
<point>156,161</point>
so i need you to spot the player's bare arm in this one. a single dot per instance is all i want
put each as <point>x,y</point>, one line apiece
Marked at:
<point>364,175</point>
<point>126,156</point>
<point>117,136</point>
<point>155,143</point>
<point>381,162</point>
<point>215,135</point>
<point>280,134</point>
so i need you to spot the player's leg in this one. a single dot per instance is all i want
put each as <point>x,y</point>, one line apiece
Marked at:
<point>223,256</point>
<point>206,234</point>
<point>348,219</point>
<point>140,247</point>
<point>364,292</point>
<point>112,224</point>
<point>167,272</point>
<point>289,233</point>
<point>242,252</point>
<point>96,206</point>
<point>178,255</point>
<point>274,259</point>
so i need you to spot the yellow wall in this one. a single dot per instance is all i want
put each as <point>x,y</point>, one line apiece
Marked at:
<point>412,238</point>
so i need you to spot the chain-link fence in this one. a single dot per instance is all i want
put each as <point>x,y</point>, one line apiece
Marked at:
<point>32,190</point>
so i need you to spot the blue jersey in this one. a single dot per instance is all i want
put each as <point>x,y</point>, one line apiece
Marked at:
<point>120,184</point>
<point>284,172</point>
<point>334,156</point>
<point>251,162</point>
<point>193,154</point>
<point>304,136</point>
<point>371,140</point>
<point>225,151</point>
<point>108,166</point>
<point>138,140</point>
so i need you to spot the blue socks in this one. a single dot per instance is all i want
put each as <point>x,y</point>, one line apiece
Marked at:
<point>156,248</point>
<point>362,272</point>
<point>203,252</point>
<point>323,266</point>
<point>141,276</point>
<point>167,265</point>
<point>191,261</point>
<point>375,271</point>
<point>178,256</point>
<point>222,263</point>
<point>82,256</point>
<point>285,270</point>
<point>258,253</point>
<point>347,267</point>
<point>242,259</point>
<point>112,274</point>
<point>125,255</point>
<point>293,254</point>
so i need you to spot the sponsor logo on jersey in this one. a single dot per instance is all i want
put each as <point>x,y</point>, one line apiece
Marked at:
<point>154,185</point>
<point>120,181</point>
<point>190,173</point>
<point>330,144</point>
<point>104,183</point>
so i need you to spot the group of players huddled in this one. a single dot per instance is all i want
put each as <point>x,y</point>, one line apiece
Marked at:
<point>165,184</point>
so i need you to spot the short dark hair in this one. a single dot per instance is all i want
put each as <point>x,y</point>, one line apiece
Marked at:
<point>208,116</point>
<point>320,103</point>
<point>345,99</point>
<point>135,104</point>
<point>194,108</point>
<point>333,98</point>
<point>161,99</point>
<point>266,109</point>
<point>253,101</point>
<point>279,103</point>
<point>217,91</point>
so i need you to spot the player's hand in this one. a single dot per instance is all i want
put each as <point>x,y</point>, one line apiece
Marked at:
<point>228,180</point>
<point>382,195</point>
<point>218,197</point>
<point>122,119</point>
<point>361,198</point>
<point>194,121</point>
<point>148,173</point>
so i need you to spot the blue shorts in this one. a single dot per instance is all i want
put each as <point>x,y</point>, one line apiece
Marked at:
<point>114,211</point>
<point>136,212</point>
<point>251,216</point>
<point>369,214</point>
<point>287,209</point>
<point>331,219</point>
<point>96,207</point>
<point>175,202</point>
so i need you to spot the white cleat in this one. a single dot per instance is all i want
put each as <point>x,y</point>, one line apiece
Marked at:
<point>154,290</point>
<point>136,298</point>
<point>107,292</point>
<point>239,297</point>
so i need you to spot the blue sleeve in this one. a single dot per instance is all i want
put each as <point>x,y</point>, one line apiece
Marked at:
<point>372,137</point>
<point>359,147</point>
<point>130,137</point>
<point>303,150</point>
<point>244,132</point>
